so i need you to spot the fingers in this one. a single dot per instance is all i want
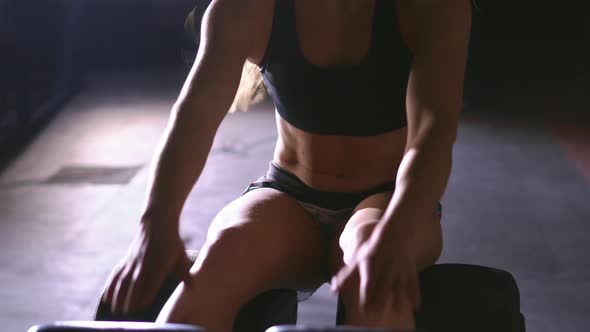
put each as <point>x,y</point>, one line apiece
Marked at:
<point>400,294</point>
<point>414,291</point>
<point>406,290</point>
<point>135,294</point>
<point>340,279</point>
<point>128,297</point>
<point>109,292</point>
<point>142,291</point>
<point>120,295</point>
<point>376,291</point>
<point>123,290</point>
<point>396,287</point>
<point>143,288</point>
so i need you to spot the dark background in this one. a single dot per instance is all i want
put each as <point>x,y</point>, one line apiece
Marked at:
<point>531,55</point>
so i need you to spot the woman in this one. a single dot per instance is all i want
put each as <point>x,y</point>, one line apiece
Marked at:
<point>368,95</point>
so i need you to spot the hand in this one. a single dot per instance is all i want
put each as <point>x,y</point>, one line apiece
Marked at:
<point>387,271</point>
<point>153,255</point>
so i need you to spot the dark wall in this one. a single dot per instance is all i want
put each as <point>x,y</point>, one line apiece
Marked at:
<point>33,80</point>
<point>529,55</point>
<point>30,39</point>
<point>133,33</point>
<point>48,47</point>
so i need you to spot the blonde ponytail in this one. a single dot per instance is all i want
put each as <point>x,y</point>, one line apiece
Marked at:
<point>251,90</point>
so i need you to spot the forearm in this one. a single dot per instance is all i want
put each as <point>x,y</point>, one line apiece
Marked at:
<point>178,163</point>
<point>421,179</point>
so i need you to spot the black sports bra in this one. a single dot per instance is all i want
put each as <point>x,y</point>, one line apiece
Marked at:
<point>357,100</point>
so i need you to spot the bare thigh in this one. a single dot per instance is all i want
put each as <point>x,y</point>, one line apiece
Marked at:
<point>262,240</point>
<point>268,231</point>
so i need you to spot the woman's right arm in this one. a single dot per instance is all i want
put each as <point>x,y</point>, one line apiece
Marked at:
<point>226,40</point>
<point>227,35</point>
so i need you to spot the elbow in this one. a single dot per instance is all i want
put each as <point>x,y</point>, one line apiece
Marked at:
<point>444,139</point>
<point>448,134</point>
<point>440,133</point>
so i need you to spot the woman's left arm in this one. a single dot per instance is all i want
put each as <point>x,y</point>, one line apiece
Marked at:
<point>437,32</point>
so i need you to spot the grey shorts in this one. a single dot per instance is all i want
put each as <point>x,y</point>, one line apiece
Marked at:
<point>329,209</point>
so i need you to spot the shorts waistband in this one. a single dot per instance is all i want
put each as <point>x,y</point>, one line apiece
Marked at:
<point>283,180</point>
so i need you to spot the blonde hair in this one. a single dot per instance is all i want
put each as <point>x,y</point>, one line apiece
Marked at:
<point>251,90</point>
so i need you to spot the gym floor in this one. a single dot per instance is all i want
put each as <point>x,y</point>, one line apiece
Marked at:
<point>518,199</point>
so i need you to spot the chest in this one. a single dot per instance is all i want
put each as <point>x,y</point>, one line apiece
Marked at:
<point>341,78</point>
<point>333,36</point>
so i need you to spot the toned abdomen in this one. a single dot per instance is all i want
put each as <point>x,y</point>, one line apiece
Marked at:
<point>339,163</point>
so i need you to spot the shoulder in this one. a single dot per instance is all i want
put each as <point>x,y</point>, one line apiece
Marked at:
<point>249,21</point>
<point>423,20</point>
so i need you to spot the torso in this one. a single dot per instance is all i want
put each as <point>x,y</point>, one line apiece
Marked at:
<point>331,162</point>
<point>339,163</point>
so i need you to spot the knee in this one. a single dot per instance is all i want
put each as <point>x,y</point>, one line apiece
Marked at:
<point>430,245</point>
<point>428,252</point>
<point>359,228</point>
<point>353,237</point>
